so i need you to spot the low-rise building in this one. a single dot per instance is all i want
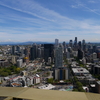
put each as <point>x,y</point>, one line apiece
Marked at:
<point>97,87</point>
<point>80,71</point>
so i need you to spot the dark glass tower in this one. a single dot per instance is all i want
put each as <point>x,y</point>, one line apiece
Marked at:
<point>48,51</point>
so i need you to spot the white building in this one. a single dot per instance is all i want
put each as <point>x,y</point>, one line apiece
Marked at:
<point>94,55</point>
<point>80,71</point>
<point>56,42</point>
<point>19,62</point>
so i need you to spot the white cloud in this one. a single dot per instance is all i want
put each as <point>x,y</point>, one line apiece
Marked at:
<point>74,6</point>
<point>92,1</point>
<point>49,24</point>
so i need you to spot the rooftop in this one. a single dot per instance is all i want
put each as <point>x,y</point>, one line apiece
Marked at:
<point>40,94</point>
<point>80,70</point>
<point>98,82</point>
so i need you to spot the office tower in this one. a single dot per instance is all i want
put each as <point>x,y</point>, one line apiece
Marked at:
<point>22,51</point>
<point>58,57</point>
<point>26,52</point>
<point>71,43</point>
<point>18,48</point>
<point>56,42</point>
<point>64,47</point>
<point>61,74</point>
<point>79,45</point>
<point>33,52</point>
<point>80,54</point>
<point>39,52</point>
<point>48,51</point>
<point>64,44</point>
<point>75,41</point>
<point>83,45</point>
<point>13,50</point>
<point>42,52</point>
<point>83,42</point>
<point>94,48</point>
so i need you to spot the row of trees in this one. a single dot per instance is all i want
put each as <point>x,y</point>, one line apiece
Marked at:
<point>78,85</point>
<point>9,70</point>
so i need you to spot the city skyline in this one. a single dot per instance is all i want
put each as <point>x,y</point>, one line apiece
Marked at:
<point>36,20</point>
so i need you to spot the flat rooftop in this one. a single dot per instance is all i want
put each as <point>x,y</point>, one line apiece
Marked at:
<point>98,82</point>
<point>40,94</point>
<point>80,70</point>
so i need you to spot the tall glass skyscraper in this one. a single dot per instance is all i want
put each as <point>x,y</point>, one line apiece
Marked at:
<point>59,57</point>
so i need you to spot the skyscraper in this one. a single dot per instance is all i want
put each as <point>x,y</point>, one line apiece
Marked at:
<point>13,49</point>
<point>48,51</point>
<point>75,42</point>
<point>71,43</point>
<point>64,47</point>
<point>56,42</point>
<point>79,45</point>
<point>59,57</point>
<point>80,54</point>
<point>33,52</point>
<point>83,45</point>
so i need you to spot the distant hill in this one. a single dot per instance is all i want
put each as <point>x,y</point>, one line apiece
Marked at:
<point>24,43</point>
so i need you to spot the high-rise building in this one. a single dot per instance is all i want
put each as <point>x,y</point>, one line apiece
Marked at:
<point>18,48</point>
<point>58,57</point>
<point>80,54</point>
<point>39,52</point>
<point>83,42</point>
<point>61,73</point>
<point>71,43</point>
<point>64,48</point>
<point>79,45</point>
<point>56,42</point>
<point>75,41</point>
<point>13,49</point>
<point>94,48</point>
<point>33,52</point>
<point>48,51</point>
<point>26,52</point>
<point>42,52</point>
<point>83,45</point>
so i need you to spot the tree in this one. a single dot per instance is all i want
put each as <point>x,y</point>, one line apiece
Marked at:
<point>50,80</point>
<point>4,74</point>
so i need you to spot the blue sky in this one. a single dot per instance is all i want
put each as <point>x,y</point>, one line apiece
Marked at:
<point>46,20</point>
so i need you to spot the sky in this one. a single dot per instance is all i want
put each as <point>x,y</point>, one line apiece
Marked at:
<point>47,20</point>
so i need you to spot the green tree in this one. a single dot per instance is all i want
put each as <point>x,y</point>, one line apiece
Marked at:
<point>4,74</point>
<point>50,80</point>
